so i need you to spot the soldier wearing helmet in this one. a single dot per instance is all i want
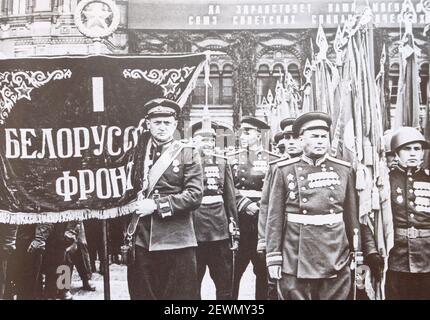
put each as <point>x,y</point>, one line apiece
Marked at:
<point>408,275</point>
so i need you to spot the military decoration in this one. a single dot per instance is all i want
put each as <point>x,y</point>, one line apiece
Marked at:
<point>175,164</point>
<point>323,179</point>
<point>212,175</point>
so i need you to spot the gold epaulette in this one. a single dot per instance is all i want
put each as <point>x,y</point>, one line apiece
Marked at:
<point>342,162</point>
<point>278,160</point>
<point>287,162</point>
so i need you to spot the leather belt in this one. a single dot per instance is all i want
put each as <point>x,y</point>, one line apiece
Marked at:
<point>212,199</point>
<point>317,220</point>
<point>250,193</point>
<point>412,233</point>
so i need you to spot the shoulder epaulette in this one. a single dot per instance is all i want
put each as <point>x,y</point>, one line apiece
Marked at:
<point>287,162</point>
<point>271,153</point>
<point>277,160</point>
<point>342,162</point>
<point>219,156</point>
<point>235,152</point>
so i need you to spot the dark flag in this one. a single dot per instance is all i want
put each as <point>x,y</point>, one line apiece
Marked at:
<point>69,126</point>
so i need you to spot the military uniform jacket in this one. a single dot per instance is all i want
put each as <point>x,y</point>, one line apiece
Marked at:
<point>264,204</point>
<point>312,192</point>
<point>249,171</point>
<point>219,204</point>
<point>410,202</point>
<point>177,193</point>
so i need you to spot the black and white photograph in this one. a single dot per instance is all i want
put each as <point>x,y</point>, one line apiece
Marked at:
<point>230,150</point>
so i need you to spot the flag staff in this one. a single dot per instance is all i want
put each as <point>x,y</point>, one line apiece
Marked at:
<point>98,19</point>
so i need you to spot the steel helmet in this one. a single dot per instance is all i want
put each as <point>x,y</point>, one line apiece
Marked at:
<point>387,141</point>
<point>406,135</point>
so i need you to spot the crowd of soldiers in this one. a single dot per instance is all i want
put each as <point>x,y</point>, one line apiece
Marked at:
<point>292,212</point>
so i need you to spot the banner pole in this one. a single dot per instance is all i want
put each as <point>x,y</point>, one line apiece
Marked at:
<point>105,261</point>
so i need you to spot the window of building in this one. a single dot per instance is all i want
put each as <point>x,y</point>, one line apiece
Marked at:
<point>393,78</point>
<point>267,79</point>
<point>227,84</point>
<point>221,92</point>
<point>19,7</point>
<point>424,76</point>
<point>42,5</point>
<point>293,69</point>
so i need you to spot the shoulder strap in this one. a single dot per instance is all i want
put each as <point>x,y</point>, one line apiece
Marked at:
<point>162,164</point>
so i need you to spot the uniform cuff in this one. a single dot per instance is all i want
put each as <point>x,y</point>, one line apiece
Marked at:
<point>164,207</point>
<point>261,245</point>
<point>243,204</point>
<point>274,259</point>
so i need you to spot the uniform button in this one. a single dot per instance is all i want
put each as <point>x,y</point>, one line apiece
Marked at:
<point>300,168</point>
<point>323,165</point>
<point>411,191</point>
<point>243,179</point>
<point>331,199</point>
<point>242,162</point>
<point>411,203</point>
<point>156,191</point>
<point>412,215</point>
<point>242,170</point>
<point>331,168</point>
<point>303,188</point>
<point>305,200</point>
<point>410,179</point>
<point>305,211</point>
<point>332,188</point>
<point>302,178</point>
<point>158,154</point>
<point>243,187</point>
<point>331,211</point>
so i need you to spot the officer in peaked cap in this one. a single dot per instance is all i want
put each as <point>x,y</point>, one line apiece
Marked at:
<point>161,107</point>
<point>292,144</point>
<point>278,140</point>
<point>408,275</point>
<point>217,211</point>
<point>292,150</point>
<point>312,216</point>
<point>250,164</point>
<point>169,175</point>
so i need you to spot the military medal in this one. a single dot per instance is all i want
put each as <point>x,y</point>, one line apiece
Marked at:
<point>175,164</point>
<point>292,195</point>
<point>290,177</point>
<point>399,190</point>
<point>399,199</point>
<point>291,186</point>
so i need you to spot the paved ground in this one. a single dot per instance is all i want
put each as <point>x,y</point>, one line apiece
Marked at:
<point>119,290</point>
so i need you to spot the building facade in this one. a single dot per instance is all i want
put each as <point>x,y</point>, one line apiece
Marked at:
<point>256,41</point>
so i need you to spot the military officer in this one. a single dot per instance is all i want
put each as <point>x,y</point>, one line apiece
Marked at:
<point>312,221</point>
<point>7,246</point>
<point>278,140</point>
<point>293,150</point>
<point>408,275</point>
<point>250,164</point>
<point>217,211</point>
<point>164,264</point>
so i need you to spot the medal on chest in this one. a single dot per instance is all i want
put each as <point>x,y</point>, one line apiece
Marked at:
<point>323,179</point>
<point>175,164</point>
<point>212,175</point>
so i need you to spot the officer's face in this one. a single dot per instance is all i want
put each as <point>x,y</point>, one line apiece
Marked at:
<point>292,145</point>
<point>206,145</point>
<point>315,142</point>
<point>411,155</point>
<point>162,128</point>
<point>249,137</point>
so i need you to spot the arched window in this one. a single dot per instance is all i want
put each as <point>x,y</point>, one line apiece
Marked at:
<point>393,78</point>
<point>293,69</point>
<point>424,76</point>
<point>263,82</point>
<point>227,85</point>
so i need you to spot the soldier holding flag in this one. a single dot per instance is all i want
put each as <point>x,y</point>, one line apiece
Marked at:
<point>164,264</point>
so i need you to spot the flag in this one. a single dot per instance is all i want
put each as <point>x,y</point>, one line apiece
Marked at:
<point>68,126</point>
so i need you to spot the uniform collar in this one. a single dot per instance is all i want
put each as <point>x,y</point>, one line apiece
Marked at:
<point>311,162</point>
<point>406,170</point>
<point>161,145</point>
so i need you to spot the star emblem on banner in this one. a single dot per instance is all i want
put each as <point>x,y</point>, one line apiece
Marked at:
<point>169,87</point>
<point>23,91</point>
<point>97,18</point>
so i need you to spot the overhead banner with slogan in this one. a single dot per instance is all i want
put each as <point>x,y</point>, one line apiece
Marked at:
<point>68,125</point>
<point>262,14</point>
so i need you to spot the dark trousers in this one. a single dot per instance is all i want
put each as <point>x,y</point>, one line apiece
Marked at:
<point>81,258</point>
<point>293,288</point>
<point>94,236</point>
<point>248,253</point>
<point>218,257</point>
<point>163,275</point>
<point>7,246</point>
<point>407,286</point>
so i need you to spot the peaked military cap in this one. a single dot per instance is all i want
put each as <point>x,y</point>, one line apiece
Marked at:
<point>287,125</point>
<point>197,129</point>
<point>253,123</point>
<point>278,137</point>
<point>311,120</point>
<point>161,107</point>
